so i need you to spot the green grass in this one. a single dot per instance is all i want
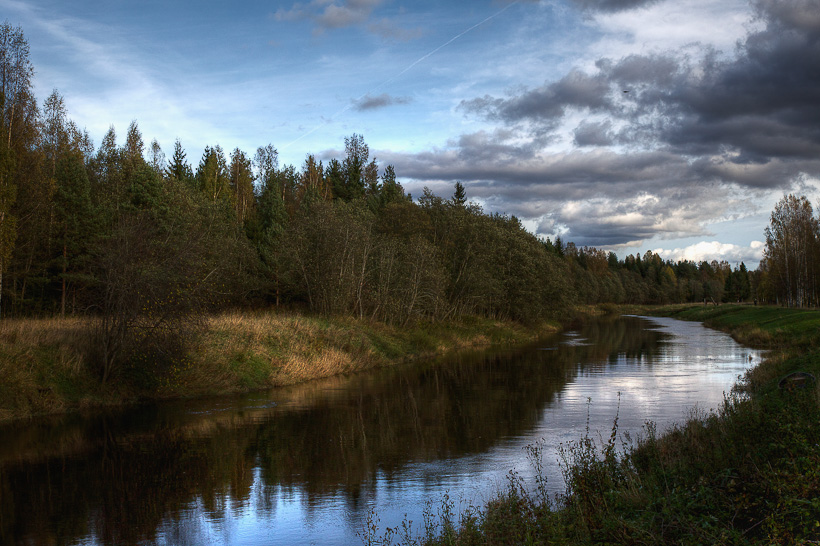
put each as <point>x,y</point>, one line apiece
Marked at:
<point>762,326</point>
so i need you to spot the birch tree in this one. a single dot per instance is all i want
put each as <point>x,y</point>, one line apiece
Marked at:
<point>791,251</point>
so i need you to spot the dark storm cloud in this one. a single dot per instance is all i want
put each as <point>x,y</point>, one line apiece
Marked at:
<point>759,106</point>
<point>574,175</point>
<point>608,6</point>
<point>369,102</point>
<point>594,134</point>
<point>642,70</point>
<point>546,103</point>
<point>611,6</point>
<point>764,104</point>
<point>502,146</point>
<point>605,233</point>
<point>695,122</point>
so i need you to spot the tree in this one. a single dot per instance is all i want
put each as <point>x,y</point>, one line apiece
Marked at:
<point>335,178</point>
<point>357,175</point>
<point>791,251</point>
<point>74,217</point>
<point>267,231</point>
<point>16,104</point>
<point>159,270</point>
<point>332,245</point>
<point>179,169</point>
<point>54,129</point>
<point>156,158</point>
<point>134,148</point>
<point>109,174</point>
<point>212,175</point>
<point>391,190</point>
<point>356,156</point>
<point>313,184</point>
<point>241,182</point>
<point>459,196</point>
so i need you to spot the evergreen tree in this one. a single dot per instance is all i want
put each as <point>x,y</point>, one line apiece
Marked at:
<point>109,173</point>
<point>335,178</point>
<point>212,175</point>
<point>74,216</point>
<point>268,230</point>
<point>459,196</point>
<point>391,190</point>
<point>179,169</point>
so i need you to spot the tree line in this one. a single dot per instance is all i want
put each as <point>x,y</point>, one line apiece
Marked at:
<point>147,244</point>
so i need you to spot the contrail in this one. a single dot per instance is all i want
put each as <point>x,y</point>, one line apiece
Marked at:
<point>409,67</point>
<point>445,44</point>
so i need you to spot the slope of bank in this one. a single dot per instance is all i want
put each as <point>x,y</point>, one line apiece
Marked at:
<point>45,370</point>
<point>746,474</point>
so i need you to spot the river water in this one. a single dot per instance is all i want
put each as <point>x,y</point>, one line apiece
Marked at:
<point>308,464</point>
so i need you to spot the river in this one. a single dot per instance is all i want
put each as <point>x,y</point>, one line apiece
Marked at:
<point>308,464</point>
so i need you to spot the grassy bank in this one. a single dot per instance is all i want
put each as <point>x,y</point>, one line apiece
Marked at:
<point>45,370</point>
<point>748,473</point>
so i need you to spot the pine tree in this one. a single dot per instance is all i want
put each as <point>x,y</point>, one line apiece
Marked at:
<point>459,196</point>
<point>179,169</point>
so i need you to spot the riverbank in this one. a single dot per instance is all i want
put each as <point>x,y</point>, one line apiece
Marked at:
<point>748,473</point>
<point>45,369</point>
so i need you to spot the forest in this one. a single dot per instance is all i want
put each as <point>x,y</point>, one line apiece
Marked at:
<point>146,244</point>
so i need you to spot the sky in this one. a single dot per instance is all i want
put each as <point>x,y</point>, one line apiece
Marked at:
<point>629,125</point>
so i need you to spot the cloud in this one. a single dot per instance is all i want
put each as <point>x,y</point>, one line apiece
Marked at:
<point>546,103</point>
<point>369,102</point>
<point>649,145</point>
<point>610,6</point>
<point>606,6</point>
<point>389,31</point>
<point>590,133</point>
<point>330,14</point>
<point>758,107</point>
<point>598,197</point>
<point>335,14</point>
<point>715,250</point>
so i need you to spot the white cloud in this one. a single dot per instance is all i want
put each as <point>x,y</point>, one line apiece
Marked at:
<point>715,250</point>
<point>678,24</point>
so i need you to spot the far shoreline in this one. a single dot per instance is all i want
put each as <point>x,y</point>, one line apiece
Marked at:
<point>46,371</point>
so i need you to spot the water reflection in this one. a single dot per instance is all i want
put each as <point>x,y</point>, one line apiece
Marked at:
<point>307,463</point>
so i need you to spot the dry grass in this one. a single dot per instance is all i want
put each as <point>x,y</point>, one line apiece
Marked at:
<point>44,370</point>
<point>266,349</point>
<point>39,332</point>
<point>40,359</point>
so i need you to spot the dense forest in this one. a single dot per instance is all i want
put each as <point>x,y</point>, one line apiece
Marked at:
<point>142,241</point>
